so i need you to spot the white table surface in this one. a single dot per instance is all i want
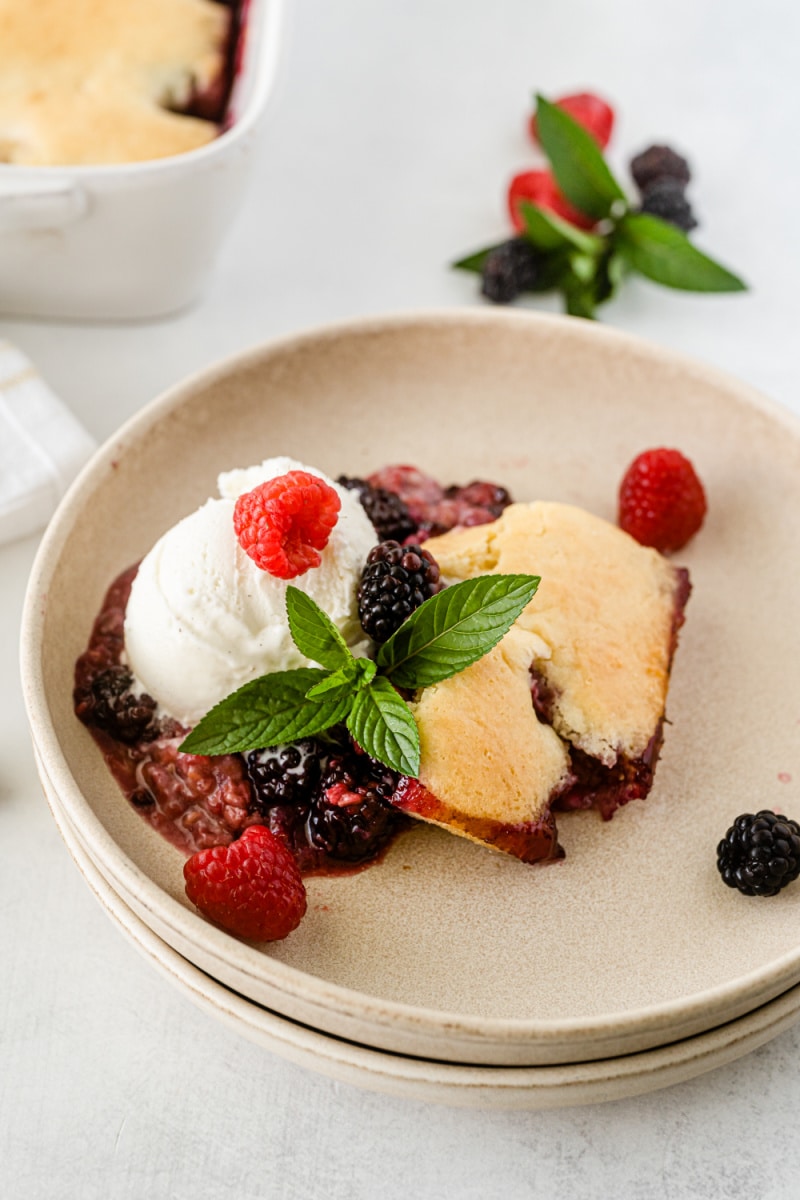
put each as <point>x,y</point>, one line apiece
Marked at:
<point>392,132</point>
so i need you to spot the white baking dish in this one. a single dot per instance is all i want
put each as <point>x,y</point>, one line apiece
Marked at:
<point>138,239</point>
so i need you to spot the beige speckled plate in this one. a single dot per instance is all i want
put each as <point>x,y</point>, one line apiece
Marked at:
<point>447,950</point>
<point>424,1079</point>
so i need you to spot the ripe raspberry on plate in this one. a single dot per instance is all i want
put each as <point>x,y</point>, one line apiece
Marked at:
<point>251,888</point>
<point>662,502</point>
<point>284,523</point>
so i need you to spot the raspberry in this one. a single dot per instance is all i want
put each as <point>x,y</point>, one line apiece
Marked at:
<point>665,198</point>
<point>540,188</point>
<point>510,269</point>
<point>386,510</point>
<point>395,581</point>
<point>251,888</point>
<point>659,162</point>
<point>594,114</point>
<point>760,853</point>
<point>284,523</point>
<point>661,500</point>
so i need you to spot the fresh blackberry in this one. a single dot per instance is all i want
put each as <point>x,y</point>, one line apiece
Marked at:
<point>351,818</point>
<point>665,198</point>
<point>395,581</point>
<point>659,162</point>
<point>387,512</point>
<point>508,270</point>
<point>284,774</point>
<point>108,703</point>
<point>760,854</point>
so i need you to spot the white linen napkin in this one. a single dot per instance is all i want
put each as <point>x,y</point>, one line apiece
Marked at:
<point>42,447</point>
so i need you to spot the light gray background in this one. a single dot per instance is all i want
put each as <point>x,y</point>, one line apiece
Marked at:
<point>392,133</point>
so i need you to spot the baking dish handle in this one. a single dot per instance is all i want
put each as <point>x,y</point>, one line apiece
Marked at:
<point>40,203</point>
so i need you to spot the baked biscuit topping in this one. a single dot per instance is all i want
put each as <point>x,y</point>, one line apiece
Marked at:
<point>603,616</point>
<point>484,752</point>
<point>103,81</point>
<point>567,710</point>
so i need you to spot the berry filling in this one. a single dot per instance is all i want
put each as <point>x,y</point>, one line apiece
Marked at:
<point>435,509</point>
<point>322,798</point>
<point>213,102</point>
<point>198,802</point>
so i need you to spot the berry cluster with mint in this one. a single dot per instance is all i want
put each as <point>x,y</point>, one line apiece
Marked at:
<point>325,799</point>
<point>576,230</point>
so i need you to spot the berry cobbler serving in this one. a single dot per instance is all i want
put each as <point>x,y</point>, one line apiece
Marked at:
<point>303,667</point>
<point>114,81</point>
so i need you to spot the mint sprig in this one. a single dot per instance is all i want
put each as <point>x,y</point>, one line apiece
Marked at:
<point>587,268</point>
<point>454,629</point>
<point>577,161</point>
<point>269,711</point>
<point>444,635</point>
<point>664,254</point>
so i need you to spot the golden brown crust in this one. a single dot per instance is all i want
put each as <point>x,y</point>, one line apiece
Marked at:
<point>92,81</point>
<point>484,753</point>
<point>603,615</point>
<point>599,634</point>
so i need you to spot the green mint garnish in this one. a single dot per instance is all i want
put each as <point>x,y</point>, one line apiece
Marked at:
<point>548,232</point>
<point>269,711</point>
<point>314,633</point>
<point>588,267</point>
<point>444,635</point>
<point>664,254</point>
<point>382,720</point>
<point>454,628</point>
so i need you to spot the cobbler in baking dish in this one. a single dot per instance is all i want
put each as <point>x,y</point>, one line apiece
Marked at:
<point>113,81</point>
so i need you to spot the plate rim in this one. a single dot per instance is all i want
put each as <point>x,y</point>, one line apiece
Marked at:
<point>528,1086</point>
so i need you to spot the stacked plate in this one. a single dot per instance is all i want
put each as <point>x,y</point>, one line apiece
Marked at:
<point>448,972</point>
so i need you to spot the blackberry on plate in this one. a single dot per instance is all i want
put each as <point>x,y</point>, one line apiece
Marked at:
<point>510,269</point>
<point>287,774</point>
<point>659,162</point>
<point>109,703</point>
<point>665,198</point>
<point>394,582</point>
<point>386,510</point>
<point>351,819</point>
<point>760,853</point>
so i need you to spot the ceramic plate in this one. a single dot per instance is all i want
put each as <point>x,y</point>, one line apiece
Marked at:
<point>447,950</point>
<point>438,1082</point>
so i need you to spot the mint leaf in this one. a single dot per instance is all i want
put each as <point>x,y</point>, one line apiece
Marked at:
<point>313,632</point>
<point>579,299</point>
<point>268,711</point>
<point>578,164</point>
<point>547,231</point>
<point>382,724</point>
<point>454,628</point>
<point>475,262</point>
<point>344,677</point>
<point>664,254</point>
<point>365,672</point>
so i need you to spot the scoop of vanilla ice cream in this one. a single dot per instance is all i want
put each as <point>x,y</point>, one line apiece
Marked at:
<point>203,619</point>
